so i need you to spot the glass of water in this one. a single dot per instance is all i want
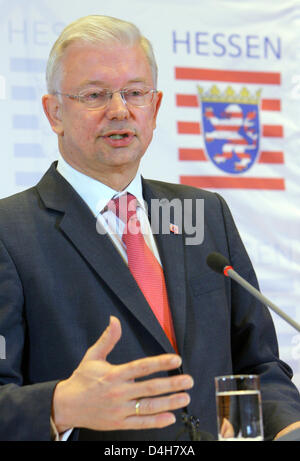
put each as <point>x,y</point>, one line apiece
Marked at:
<point>239,412</point>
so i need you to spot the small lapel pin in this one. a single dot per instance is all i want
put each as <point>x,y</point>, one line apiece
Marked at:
<point>174,228</point>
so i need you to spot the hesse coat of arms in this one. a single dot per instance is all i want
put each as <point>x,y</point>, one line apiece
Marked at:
<point>231,127</point>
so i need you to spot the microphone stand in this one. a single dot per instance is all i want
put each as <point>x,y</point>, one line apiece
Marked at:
<point>228,271</point>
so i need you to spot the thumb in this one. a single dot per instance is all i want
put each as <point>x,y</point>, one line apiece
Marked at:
<point>107,341</point>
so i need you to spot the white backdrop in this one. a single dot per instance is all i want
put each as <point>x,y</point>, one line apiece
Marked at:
<point>232,49</point>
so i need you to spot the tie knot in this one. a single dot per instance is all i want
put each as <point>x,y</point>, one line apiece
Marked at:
<point>124,206</point>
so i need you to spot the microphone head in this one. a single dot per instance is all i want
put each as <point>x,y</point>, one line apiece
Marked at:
<point>217,262</point>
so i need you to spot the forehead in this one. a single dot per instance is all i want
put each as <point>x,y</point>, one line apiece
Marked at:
<point>112,65</point>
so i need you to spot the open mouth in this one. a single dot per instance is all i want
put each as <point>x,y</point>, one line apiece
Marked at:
<point>119,138</point>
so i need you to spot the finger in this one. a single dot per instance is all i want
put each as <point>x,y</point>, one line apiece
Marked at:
<point>160,386</point>
<point>160,404</point>
<point>149,422</point>
<point>107,341</point>
<point>147,366</point>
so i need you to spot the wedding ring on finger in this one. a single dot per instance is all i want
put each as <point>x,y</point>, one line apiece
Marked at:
<point>137,407</point>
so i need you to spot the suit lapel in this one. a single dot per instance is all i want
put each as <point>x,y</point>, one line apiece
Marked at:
<point>171,250</point>
<point>79,226</point>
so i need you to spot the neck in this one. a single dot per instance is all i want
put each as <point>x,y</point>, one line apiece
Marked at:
<point>116,178</point>
<point>116,181</point>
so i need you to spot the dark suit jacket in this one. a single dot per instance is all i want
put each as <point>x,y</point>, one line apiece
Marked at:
<point>60,281</point>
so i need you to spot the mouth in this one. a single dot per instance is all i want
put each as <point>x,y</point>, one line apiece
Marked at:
<point>119,138</point>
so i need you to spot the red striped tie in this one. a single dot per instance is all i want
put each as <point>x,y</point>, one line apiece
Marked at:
<point>144,266</point>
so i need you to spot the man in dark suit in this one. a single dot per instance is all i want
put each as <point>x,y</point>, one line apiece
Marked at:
<point>86,357</point>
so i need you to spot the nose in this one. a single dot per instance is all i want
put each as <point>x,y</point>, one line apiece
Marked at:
<point>117,108</point>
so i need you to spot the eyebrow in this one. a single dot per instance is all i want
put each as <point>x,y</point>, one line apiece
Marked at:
<point>103,84</point>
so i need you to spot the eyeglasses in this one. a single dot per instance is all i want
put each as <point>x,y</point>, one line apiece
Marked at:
<point>95,98</point>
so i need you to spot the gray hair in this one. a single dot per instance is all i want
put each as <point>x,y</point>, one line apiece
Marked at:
<point>95,29</point>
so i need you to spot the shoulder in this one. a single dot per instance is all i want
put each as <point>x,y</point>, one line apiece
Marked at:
<point>214,204</point>
<point>179,190</point>
<point>17,215</point>
<point>19,202</point>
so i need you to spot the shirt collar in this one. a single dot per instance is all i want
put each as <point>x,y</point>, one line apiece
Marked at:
<point>96,194</point>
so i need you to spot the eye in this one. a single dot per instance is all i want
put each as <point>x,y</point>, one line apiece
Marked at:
<point>135,93</point>
<point>93,95</point>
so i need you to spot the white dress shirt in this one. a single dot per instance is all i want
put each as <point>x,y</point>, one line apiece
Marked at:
<point>97,195</point>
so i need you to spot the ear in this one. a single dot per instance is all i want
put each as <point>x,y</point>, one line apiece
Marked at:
<point>158,100</point>
<point>52,109</point>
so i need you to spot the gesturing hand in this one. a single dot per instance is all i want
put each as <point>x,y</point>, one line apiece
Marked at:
<point>104,397</point>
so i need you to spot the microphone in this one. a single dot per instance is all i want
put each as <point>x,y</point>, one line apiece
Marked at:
<point>221,265</point>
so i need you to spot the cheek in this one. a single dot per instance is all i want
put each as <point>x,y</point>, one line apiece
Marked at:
<point>81,128</point>
<point>148,134</point>
<point>147,126</point>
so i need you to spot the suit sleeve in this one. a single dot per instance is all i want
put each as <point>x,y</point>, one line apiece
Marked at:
<point>254,341</point>
<point>25,407</point>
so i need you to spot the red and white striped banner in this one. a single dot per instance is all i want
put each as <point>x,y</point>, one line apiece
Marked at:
<point>194,128</point>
